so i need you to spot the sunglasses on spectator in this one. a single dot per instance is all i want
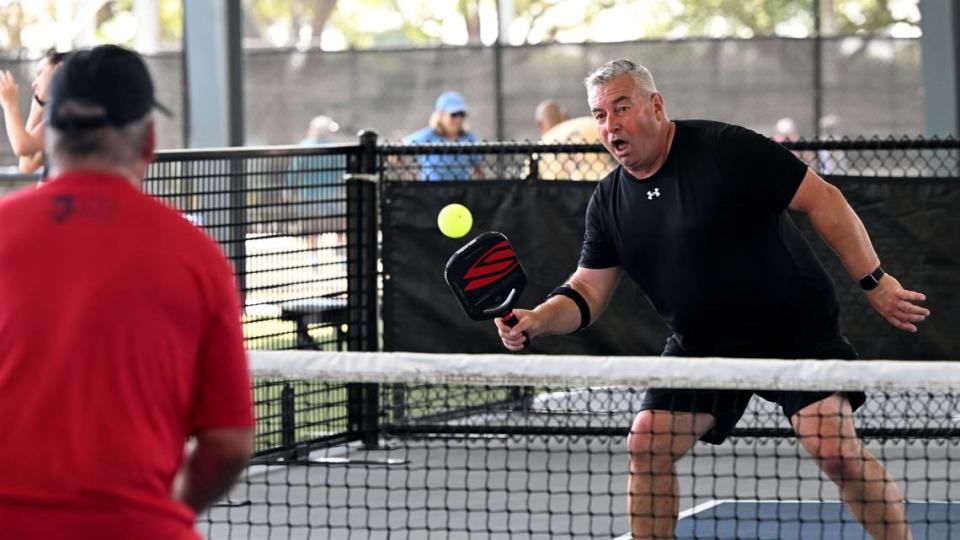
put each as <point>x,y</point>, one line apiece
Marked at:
<point>460,114</point>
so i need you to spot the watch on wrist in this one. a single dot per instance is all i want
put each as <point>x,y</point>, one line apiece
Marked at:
<point>871,280</point>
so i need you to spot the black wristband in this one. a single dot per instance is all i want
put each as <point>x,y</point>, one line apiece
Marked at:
<point>571,293</point>
<point>870,281</point>
<point>39,101</point>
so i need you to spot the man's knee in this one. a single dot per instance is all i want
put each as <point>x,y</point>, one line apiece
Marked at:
<point>649,453</point>
<point>827,432</point>
<point>844,468</point>
<point>658,439</point>
<point>841,458</point>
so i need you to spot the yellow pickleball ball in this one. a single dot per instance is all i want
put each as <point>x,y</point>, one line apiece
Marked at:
<point>455,220</point>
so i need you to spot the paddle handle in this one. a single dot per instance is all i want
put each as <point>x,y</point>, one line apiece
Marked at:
<point>511,320</point>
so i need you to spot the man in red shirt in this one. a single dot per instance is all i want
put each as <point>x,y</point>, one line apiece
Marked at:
<point>120,331</point>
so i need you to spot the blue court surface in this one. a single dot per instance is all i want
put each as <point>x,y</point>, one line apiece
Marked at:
<point>789,520</point>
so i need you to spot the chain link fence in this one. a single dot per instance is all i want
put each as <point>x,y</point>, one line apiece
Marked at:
<point>888,157</point>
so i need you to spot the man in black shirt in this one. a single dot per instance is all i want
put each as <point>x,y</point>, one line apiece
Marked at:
<point>696,215</point>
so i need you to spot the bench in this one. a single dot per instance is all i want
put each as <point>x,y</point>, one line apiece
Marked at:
<point>324,311</point>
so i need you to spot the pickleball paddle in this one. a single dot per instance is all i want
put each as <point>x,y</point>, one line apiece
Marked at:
<point>486,277</point>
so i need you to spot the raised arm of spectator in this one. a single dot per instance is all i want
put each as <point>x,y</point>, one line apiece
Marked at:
<point>35,116</point>
<point>24,141</point>
<point>29,164</point>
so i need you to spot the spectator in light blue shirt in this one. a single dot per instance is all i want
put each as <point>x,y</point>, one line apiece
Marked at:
<point>447,125</point>
<point>319,174</point>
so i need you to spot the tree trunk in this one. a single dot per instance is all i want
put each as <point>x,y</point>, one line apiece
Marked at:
<point>322,9</point>
<point>828,18</point>
<point>471,14</point>
<point>147,13</point>
<point>251,26</point>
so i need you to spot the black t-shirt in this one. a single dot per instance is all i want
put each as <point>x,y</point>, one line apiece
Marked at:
<point>708,240</point>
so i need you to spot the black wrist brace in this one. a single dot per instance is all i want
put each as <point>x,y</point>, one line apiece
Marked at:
<point>571,293</point>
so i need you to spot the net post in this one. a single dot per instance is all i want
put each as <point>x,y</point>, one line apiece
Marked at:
<point>362,333</point>
<point>362,408</point>
<point>362,293</point>
<point>288,417</point>
<point>371,425</point>
<point>237,246</point>
<point>521,397</point>
<point>368,153</point>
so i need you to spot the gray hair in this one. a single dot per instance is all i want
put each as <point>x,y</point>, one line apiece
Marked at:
<point>116,146</point>
<point>614,68</point>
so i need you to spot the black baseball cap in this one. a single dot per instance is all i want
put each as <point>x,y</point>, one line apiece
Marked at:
<point>104,86</point>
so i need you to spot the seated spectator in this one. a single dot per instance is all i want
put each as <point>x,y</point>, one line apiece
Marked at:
<point>447,126</point>
<point>786,131</point>
<point>549,113</point>
<point>574,166</point>
<point>831,161</point>
<point>318,193</point>
<point>322,130</point>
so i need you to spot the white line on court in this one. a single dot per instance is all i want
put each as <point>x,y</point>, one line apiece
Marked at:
<point>717,502</point>
<point>689,512</point>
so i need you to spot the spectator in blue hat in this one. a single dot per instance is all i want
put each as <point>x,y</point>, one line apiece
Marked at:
<point>447,126</point>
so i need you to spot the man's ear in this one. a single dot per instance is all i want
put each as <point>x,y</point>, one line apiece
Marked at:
<point>658,105</point>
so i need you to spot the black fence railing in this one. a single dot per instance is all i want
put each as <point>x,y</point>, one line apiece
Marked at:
<point>282,217</point>
<point>863,157</point>
<point>301,226</point>
<point>882,157</point>
<point>11,182</point>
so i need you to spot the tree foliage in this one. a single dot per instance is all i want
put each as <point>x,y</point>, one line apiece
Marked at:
<point>867,16</point>
<point>379,23</point>
<point>743,18</point>
<point>12,20</point>
<point>680,18</point>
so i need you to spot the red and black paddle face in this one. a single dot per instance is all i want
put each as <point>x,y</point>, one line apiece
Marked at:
<point>486,277</point>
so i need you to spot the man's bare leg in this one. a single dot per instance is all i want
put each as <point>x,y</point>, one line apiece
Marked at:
<point>657,440</point>
<point>827,432</point>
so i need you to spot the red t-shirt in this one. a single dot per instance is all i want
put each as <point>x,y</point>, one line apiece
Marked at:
<point>119,337</point>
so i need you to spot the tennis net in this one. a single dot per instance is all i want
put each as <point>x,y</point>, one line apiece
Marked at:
<point>410,445</point>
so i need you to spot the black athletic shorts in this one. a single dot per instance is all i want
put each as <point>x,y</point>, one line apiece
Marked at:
<point>727,406</point>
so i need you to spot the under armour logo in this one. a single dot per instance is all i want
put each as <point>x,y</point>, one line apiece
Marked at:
<point>652,194</point>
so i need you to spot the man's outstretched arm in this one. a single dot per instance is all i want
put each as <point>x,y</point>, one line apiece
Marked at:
<point>560,314</point>
<point>842,230</point>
